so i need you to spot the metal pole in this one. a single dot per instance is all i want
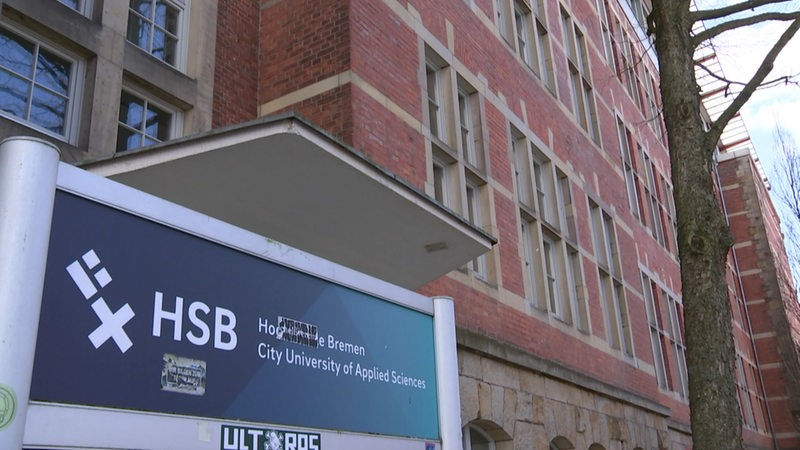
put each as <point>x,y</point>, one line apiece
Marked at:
<point>28,171</point>
<point>444,334</point>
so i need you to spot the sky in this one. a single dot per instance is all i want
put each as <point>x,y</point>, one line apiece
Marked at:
<point>739,52</point>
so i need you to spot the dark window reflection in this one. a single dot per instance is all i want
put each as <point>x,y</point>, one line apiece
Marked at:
<point>141,123</point>
<point>153,26</point>
<point>34,83</point>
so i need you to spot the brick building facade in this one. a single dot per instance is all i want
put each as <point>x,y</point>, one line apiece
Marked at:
<point>536,122</point>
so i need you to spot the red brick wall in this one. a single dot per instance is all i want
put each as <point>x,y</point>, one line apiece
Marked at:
<point>236,71</point>
<point>774,315</point>
<point>301,42</point>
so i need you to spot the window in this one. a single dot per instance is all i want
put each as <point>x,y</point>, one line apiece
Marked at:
<point>142,122</point>
<point>671,219</point>
<point>532,40</point>
<point>583,103</point>
<point>474,438</point>
<point>458,164</point>
<point>651,195</point>
<point>522,18</point>
<point>549,251</point>
<point>437,85</point>
<point>38,84</point>
<point>658,332</point>
<point>639,12</point>
<point>612,292</point>
<point>522,170</point>
<point>543,66</point>
<point>602,12</point>
<point>475,212</point>
<point>654,111</point>
<point>625,144</point>
<point>678,346</point>
<point>155,27</point>
<point>503,16</point>
<point>469,118</point>
<point>82,6</point>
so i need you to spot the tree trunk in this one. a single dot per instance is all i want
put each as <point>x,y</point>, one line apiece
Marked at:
<point>703,238</point>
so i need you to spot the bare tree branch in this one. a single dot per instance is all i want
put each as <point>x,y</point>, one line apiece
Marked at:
<point>782,80</point>
<point>718,13</point>
<point>739,23</point>
<point>758,78</point>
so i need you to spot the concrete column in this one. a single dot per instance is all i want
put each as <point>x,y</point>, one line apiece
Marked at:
<point>28,171</point>
<point>444,334</point>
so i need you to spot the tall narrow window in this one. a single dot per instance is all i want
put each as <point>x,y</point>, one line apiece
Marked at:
<point>583,103</point>
<point>522,23</point>
<point>658,334</point>
<point>434,91</point>
<point>678,345</point>
<point>154,26</point>
<point>551,281</point>
<point>142,122</point>
<point>457,177</point>
<point>37,84</point>
<point>552,266</point>
<point>544,59</point>
<point>475,216</point>
<point>625,143</point>
<point>605,29</point>
<point>503,16</point>
<point>522,170</point>
<point>612,292</point>
<point>469,121</point>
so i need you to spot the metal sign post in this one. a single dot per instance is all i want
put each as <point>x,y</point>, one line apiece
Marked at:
<point>28,171</point>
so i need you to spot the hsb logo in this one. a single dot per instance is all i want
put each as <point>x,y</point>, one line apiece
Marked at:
<point>90,278</point>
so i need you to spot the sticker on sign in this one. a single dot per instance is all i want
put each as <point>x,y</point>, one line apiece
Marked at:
<point>246,438</point>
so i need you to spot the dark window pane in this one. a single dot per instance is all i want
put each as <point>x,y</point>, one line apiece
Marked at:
<point>71,3</point>
<point>167,17</point>
<point>16,54</point>
<point>138,31</point>
<point>143,7</point>
<point>14,93</point>
<point>158,123</point>
<point>127,139</point>
<point>131,110</point>
<point>53,72</point>
<point>48,110</point>
<point>164,46</point>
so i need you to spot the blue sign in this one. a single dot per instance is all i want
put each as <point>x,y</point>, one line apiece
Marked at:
<point>137,315</point>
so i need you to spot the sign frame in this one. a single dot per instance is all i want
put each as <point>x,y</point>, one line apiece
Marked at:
<point>128,429</point>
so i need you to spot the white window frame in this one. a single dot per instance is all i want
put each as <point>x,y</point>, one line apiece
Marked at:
<point>474,201</point>
<point>503,15</point>
<point>435,98</point>
<point>612,289</point>
<point>625,141</point>
<point>548,247</point>
<point>657,332</point>
<point>466,436</point>
<point>523,25</point>
<point>581,90</point>
<point>176,116</point>
<point>181,34</point>
<point>84,7</point>
<point>470,124</point>
<point>75,89</point>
